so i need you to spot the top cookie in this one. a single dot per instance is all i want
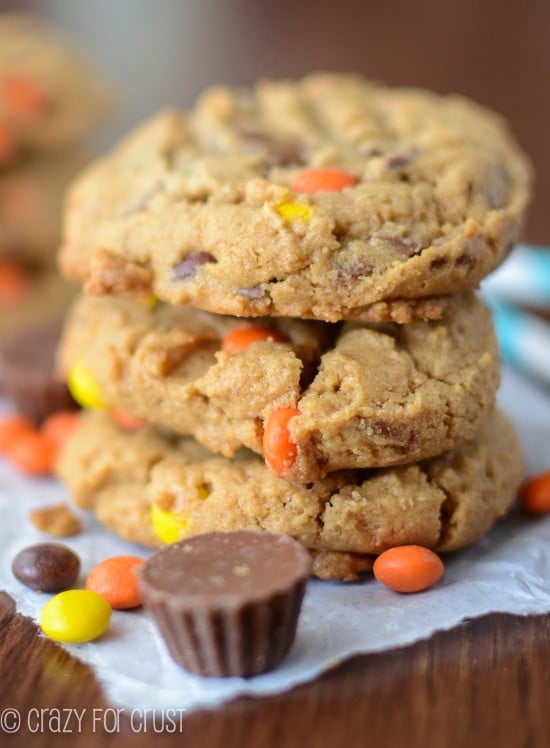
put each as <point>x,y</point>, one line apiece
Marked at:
<point>48,98</point>
<point>220,209</point>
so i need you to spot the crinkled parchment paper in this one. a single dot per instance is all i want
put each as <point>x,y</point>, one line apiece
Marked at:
<point>507,571</point>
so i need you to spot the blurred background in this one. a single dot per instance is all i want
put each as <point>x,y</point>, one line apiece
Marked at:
<point>158,52</point>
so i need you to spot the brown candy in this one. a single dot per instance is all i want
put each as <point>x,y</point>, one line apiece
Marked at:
<point>227,603</point>
<point>48,567</point>
<point>27,373</point>
<point>188,266</point>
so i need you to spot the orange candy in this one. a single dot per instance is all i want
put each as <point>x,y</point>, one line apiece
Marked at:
<point>31,450</point>
<point>32,453</point>
<point>535,494</point>
<point>279,449</point>
<point>24,97</point>
<point>242,337</point>
<point>58,427</point>
<point>11,429</point>
<point>126,421</point>
<point>116,581</point>
<point>408,568</point>
<point>329,179</point>
<point>14,281</point>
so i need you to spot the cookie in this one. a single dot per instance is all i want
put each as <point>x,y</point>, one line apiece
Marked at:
<point>327,197</point>
<point>44,299</point>
<point>31,198</point>
<point>444,503</point>
<point>48,97</point>
<point>368,394</point>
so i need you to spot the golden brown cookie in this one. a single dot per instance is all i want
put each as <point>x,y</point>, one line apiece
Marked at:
<point>31,198</point>
<point>49,99</point>
<point>220,209</point>
<point>368,395</point>
<point>444,503</point>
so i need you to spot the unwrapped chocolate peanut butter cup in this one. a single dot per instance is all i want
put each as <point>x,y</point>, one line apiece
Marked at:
<point>227,603</point>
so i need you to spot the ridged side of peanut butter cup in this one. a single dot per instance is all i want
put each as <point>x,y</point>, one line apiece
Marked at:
<point>227,604</point>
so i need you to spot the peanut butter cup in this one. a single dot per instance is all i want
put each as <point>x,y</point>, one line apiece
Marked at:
<point>227,603</point>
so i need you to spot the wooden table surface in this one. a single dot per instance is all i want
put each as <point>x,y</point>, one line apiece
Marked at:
<point>485,683</point>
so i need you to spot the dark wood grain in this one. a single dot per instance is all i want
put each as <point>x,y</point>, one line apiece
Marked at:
<point>485,683</point>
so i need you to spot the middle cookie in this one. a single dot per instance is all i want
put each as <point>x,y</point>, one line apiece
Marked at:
<point>364,394</point>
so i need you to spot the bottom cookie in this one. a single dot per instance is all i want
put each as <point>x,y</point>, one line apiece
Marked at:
<point>143,484</point>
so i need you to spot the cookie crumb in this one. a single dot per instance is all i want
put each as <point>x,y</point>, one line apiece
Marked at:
<point>56,520</point>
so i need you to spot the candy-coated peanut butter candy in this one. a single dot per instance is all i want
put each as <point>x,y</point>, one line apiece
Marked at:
<point>535,494</point>
<point>60,426</point>
<point>24,97</point>
<point>408,568</point>
<point>295,212</point>
<point>11,429</point>
<point>279,449</point>
<point>84,388</point>
<point>14,278</point>
<point>115,579</point>
<point>168,527</point>
<point>48,567</point>
<point>127,421</point>
<point>329,179</point>
<point>32,453</point>
<point>75,616</point>
<point>241,337</point>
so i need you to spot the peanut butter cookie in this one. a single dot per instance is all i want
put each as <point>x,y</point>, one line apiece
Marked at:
<point>362,394</point>
<point>146,486</point>
<point>327,197</point>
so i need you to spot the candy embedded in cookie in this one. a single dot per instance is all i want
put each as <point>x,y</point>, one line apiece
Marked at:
<point>152,488</point>
<point>280,451</point>
<point>353,395</point>
<point>327,198</point>
<point>83,387</point>
<point>329,179</point>
<point>49,98</point>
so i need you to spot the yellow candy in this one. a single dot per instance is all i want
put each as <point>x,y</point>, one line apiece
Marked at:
<point>84,388</point>
<point>151,303</point>
<point>295,212</point>
<point>168,527</point>
<point>75,616</point>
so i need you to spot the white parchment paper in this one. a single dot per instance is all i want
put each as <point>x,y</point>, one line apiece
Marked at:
<point>507,571</point>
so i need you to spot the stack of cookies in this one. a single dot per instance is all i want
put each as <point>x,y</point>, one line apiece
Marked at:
<point>354,407</point>
<point>49,102</point>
